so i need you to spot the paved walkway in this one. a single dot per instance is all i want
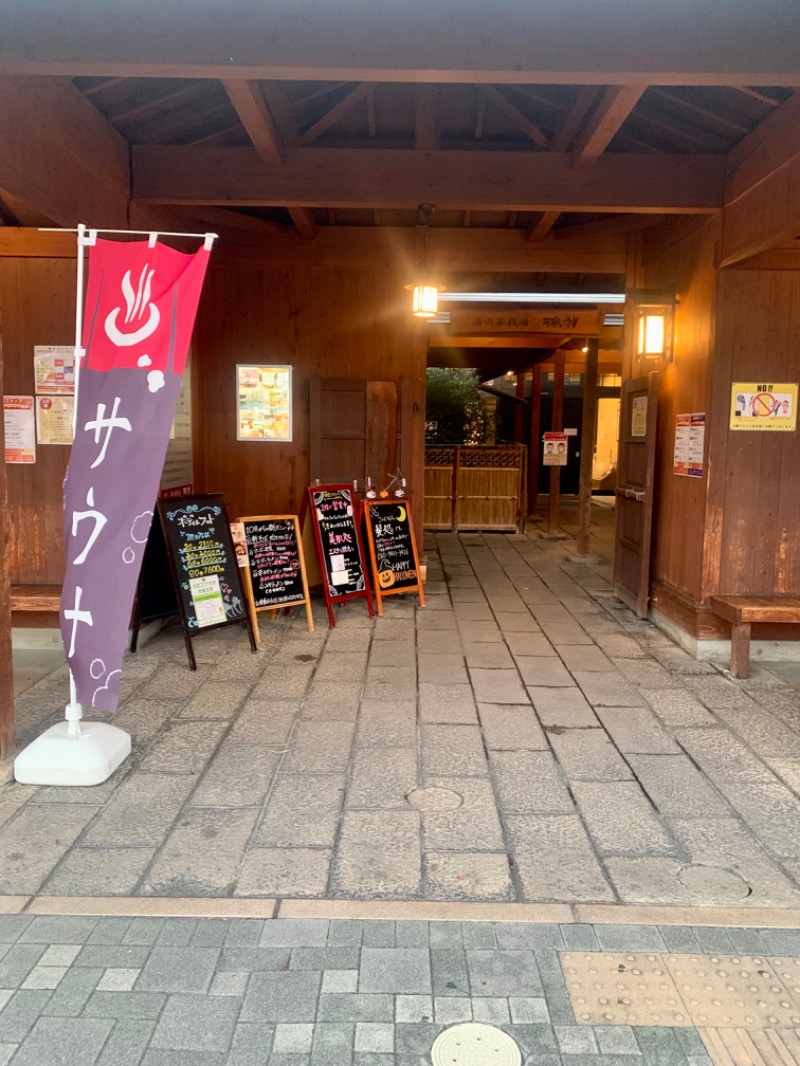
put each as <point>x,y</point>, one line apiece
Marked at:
<point>522,739</point>
<point>171,992</point>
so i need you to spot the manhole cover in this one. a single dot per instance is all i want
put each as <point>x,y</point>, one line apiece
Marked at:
<point>475,1045</point>
<point>714,881</point>
<point>434,799</point>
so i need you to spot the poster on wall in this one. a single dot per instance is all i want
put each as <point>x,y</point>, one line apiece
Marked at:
<point>54,369</point>
<point>763,406</point>
<point>54,419</point>
<point>263,402</point>
<point>690,431</point>
<point>20,429</point>
<point>554,451</point>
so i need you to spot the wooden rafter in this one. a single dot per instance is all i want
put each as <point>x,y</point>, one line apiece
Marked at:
<point>541,229</point>
<point>332,116</point>
<point>150,107</point>
<point>427,133</point>
<point>754,94</point>
<point>256,117</point>
<point>372,121</point>
<point>607,227</point>
<point>573,119</point>
<point>616,103</point>
<point>219,216</point>
<point>480,117</point>
<point>697,109</point>
<point>514,115</point>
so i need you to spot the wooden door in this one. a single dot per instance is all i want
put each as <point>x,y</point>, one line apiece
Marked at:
<point>635,487</point>
<point>356,431</point>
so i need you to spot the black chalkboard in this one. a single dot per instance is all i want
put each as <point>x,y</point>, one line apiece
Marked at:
<point>275,565</point>
<point>155,594</point>
<point>206,582</point>
<point>335,514</point>
<point>392,548</point>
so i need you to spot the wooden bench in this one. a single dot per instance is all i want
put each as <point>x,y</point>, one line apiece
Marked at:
<point>35,605</point>
<point>742,612</point>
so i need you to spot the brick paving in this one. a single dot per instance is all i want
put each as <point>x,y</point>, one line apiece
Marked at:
<point>592,760</point>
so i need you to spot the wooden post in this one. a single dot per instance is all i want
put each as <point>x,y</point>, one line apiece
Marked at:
<point>533,439</point>
<point>559,362</point>
<point>519,410</point>
<point>588,431</point>
<point>7,730</point>
<point>454,489</point>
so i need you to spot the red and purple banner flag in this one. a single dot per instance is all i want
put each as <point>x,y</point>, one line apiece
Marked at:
<point>141,302</point>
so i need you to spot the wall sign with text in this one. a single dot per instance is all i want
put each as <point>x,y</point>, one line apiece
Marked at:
<point>763,406</point>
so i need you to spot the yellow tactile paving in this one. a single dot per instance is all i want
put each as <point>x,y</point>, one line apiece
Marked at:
<point>622,988</point>
<point>715,992</point>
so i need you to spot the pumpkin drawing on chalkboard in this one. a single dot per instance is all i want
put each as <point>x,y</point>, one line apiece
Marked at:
<point>386,579</point>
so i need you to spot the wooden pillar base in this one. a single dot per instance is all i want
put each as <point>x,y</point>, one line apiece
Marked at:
<point>740,650</point>
<point>553,536</point>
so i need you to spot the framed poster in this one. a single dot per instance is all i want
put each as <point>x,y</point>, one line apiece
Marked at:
<point>263,402</point>
<point>54,369</point>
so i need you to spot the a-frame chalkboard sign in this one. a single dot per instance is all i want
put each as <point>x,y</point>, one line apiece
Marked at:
<point>335,518</point>
<point>190,540</point>
<point>392,549</point>
<point>275,570</point>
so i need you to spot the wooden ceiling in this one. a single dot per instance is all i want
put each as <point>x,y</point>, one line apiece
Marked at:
<point>554,119</point>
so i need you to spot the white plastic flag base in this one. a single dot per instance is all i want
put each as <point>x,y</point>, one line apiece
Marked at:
<point>59,757</point>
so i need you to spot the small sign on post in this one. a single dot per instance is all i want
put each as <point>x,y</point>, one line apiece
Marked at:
<point>392,549</point>
<point>554,452</point>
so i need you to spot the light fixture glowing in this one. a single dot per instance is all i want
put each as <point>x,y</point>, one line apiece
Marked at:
<point>654,314</point>
<point>424,300</point>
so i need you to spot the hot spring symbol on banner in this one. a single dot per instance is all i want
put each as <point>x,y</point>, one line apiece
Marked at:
<point>141,301</point>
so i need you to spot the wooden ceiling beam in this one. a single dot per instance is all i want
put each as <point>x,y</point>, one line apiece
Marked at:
<point>154,106</point>
<point>303,221</point>
<point>427,128</point>
<point>401,178</point>
<point>772,144</point>
<point>236,220</point>
<point>672,42</point>
<point>614,106</point>
<point>604,227</point>
<point>541,229</point>
<point>256,117</point>
<point>573,119</point>
<point>514,115</point>
<point>372,120</point>
<point>697,109</point>
<point>332,116</point>
<point>60,157</point>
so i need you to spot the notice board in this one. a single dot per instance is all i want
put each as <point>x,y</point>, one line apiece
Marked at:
<point>392,549</point>
<point>335,519</point>
<point>275,574</point>
<point>207,589</point>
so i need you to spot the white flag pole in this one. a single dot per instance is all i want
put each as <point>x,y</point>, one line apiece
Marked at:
<point>66,753</point>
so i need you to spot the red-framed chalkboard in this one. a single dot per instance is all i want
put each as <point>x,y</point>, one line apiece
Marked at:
<point>335,518</point>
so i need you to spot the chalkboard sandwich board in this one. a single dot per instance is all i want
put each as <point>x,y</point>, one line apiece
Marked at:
<point>202,561</point>
<point>335,520</point>
<point>392,549</point>
<point>275,570</point>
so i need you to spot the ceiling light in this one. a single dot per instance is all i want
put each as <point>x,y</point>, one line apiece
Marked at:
<point>535,297</point>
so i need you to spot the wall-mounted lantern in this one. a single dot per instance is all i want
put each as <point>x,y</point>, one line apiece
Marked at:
<point>654,314</point>
<point>424,292</point>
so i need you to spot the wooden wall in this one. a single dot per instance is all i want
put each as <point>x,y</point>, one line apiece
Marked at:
<point>733,531</point>
<point>325,317</point>
<point>37,304</point>
<point>756,492</point>
<point>687,265</point>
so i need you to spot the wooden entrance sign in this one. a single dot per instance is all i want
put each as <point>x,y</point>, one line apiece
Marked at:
<point>392,549</point>
<point>335,520</point>
<point>191,542</point>
<point>275,570</point>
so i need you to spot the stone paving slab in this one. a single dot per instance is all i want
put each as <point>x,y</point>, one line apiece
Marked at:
<point>593,760</point>
<point>240,992</point>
